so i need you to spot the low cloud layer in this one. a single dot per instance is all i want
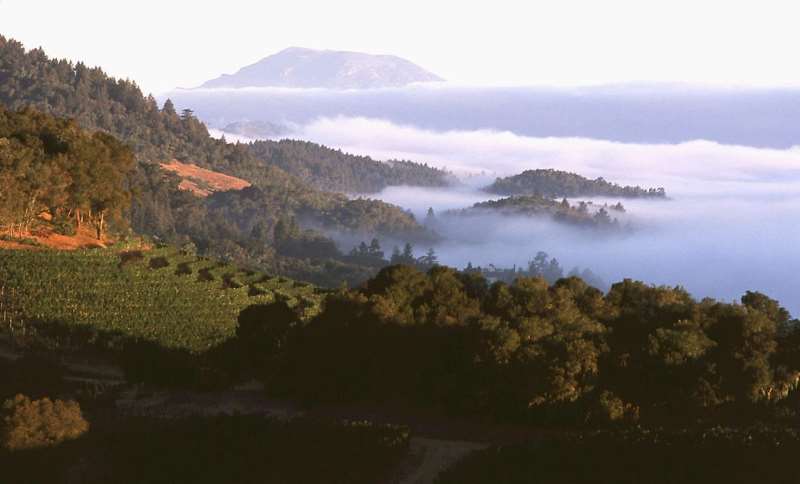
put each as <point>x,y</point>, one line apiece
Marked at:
<point>505,153</point>
<point>629,113</point>
<point>730,226</point>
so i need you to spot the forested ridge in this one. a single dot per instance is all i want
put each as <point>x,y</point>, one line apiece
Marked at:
<point>52,168</point>
<point>557,183</point>
<point>582,214</point>
<point>236,226</point>
<point>333,170</point>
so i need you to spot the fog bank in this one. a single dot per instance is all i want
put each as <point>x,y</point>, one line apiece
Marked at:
<point>730,224</point>
<point>630,113</point>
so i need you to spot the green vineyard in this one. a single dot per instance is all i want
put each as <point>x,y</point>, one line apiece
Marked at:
<point>164,296</point>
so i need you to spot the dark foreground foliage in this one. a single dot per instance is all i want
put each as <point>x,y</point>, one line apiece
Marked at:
<point>530,351</point>
<point>240,449</point>
<point>706,456</point>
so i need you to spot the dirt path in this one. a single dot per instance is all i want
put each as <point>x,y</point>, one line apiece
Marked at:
<point>429,457</point>
<point>90,369</point>
<point>137,400</point>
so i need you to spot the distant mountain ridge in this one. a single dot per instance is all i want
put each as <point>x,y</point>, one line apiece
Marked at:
<point>308,68</point>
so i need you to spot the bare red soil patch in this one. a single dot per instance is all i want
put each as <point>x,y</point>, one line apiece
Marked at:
<point>43,236</point>
<point>203,182</point>
<point>46,237</point>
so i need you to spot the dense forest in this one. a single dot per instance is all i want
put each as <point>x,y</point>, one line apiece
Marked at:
<point>288,177</point>
<point>53,167</point>
<point>555,183</point>
<point>333,170</point>
<point>583,214</point>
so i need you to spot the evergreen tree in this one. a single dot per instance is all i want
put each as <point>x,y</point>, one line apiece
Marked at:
<point>375,249</point>
<point>429,259</point>
<point>430,217</point>
<point>169,108</point>
<point>397,257</point>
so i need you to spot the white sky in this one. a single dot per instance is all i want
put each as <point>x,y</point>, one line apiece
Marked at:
<point>165,44</point>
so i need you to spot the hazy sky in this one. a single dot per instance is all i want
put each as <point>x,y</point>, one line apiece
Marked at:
<point>164,44</point>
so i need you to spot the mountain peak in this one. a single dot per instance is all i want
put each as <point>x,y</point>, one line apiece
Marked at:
<point>294,50</point>
<point>308,68</point>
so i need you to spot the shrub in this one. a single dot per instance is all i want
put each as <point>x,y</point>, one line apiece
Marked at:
<point>64,225</point>
<point>189,249</point>
<point>31,424</point>
<point>130,257</point>
<point>612,409</point>
<point>159,262</point>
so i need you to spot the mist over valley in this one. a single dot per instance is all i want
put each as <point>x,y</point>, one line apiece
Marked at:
<point>726,227</point>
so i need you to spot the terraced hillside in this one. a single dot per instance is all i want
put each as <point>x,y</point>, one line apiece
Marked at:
<point>163,296</point>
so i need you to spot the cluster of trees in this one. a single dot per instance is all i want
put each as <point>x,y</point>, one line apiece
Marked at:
<point>51,165</point>
<point>582,214</point>
<point>530,350</point>
<point>30,424</point>
<point>542,265</point>
<point>555,183</point>
<point>406,257</point>
<point>372,255</point>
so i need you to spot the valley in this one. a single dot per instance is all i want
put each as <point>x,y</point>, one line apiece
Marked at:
<point>330,265</point>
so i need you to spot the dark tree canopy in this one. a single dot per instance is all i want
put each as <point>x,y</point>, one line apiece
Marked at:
<point>531,350</point>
